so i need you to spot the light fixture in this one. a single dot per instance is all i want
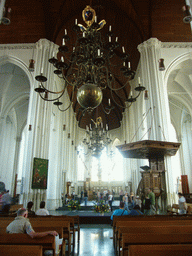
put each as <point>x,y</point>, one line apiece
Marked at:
<point>31,65</point>
<point>6,19</point>
<point>161,65</point>
<point>146,96</point>
<point>89,67</point>
<point>97,137</point>
<point>187,15</point>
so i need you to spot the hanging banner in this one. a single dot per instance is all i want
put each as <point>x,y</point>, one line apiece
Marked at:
<point>40,173</point>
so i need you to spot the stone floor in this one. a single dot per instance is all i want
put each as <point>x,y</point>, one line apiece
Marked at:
<point>95,240</point>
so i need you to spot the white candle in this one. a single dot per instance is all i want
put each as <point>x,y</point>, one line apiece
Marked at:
<point>75,21</point>
<point>109,101</point>
<point>99,52</point>
<point>139,80</point>
<point>116,39</point>
<point>131,93</point>
<point>41,70</point>
<point>95,19</point>
<point>83,34</point>
<point>106,127</point>
<point>73,49</point>
<point>123,48</point>
<point>90,126</point>
<point>124,64</point>
<point>129,65</point>
<point>109,38</point>
<point>65,31</point>
<point>110,28</point>
<point>62,59</point>
<point>63,43</point>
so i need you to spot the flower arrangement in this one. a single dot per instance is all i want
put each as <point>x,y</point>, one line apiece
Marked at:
<point>73,205</point>
<point>101,207</point>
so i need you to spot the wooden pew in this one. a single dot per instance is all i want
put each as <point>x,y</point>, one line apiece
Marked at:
<point>149,221</point>
<point>160,229</point>
<point>15,207</point>
<point>19,250</point>
<point>74,224</point>
<point>59,231</point>
<point>44,224</point>
<point>146,238</point>
<point>160,250</point>
<point>48,242</point>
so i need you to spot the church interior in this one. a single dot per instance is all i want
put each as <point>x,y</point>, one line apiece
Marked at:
<point>95,100</point>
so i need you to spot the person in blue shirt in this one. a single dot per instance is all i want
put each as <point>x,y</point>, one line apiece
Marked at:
<point>135,211</point>
<point>120,211</point>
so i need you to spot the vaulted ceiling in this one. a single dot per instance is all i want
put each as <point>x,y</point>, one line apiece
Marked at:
<point>132,21</point>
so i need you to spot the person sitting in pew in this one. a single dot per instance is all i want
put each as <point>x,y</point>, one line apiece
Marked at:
<point>29,207</point>
<point>120,211</point>
<point>21,224</point>
<point>42,211</point>
<point>136,211</point>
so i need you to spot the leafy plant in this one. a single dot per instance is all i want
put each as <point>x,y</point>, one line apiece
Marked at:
<point>73,205</point>
<point>101,207</point>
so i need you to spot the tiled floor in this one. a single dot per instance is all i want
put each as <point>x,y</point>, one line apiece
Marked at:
<point>95,240</point>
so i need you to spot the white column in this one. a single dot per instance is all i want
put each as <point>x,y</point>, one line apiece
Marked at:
<point>158,99</point>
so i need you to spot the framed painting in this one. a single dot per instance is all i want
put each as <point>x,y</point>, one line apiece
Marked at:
<point>40,173</point>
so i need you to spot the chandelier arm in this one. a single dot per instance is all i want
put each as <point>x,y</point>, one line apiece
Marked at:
<point>65,77</point>
<point>106,112</point>
<point>138,95</point>
<point>52,91</point>
<point>125,107</point>
<point>62,110</point>
<point>52,99</point>
<point>117,89</point>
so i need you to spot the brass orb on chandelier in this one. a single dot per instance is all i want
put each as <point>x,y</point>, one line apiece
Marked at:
<point>89,96</point>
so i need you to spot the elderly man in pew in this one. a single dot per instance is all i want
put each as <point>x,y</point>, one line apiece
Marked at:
<point>22,225</point>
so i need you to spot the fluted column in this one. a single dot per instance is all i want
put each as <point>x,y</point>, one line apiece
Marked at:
<point>159,122</point>
<point>39,116</point>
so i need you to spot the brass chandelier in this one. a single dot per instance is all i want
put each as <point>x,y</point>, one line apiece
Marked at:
<point>89,67</point>
<point>97,138</point>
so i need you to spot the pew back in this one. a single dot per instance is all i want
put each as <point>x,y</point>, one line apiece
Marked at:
<point>160,250</point>
<point>18,250</point>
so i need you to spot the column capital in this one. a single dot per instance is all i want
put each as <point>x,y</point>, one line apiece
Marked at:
<point>152,42</point>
